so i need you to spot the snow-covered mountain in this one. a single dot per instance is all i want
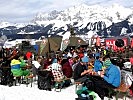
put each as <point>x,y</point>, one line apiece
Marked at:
<point>83,13</point>
<point>5,24</point>
<point>82,18</point>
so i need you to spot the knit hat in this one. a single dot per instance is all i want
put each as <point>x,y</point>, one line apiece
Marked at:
<point>85,59</point>
<point>97,55</point>
<point>54,60</point>
<point>81,55</point>
<point>107,63</point>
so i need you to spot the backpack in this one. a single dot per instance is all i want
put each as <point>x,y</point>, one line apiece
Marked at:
<point>85,94</point>
<point>5,73</point>
<point>89,84</point>
<point>44,80</point>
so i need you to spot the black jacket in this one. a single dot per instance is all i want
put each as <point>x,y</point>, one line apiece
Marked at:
<point>78,70</point>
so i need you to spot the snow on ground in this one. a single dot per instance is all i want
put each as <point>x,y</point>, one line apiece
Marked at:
<point>33,93</point>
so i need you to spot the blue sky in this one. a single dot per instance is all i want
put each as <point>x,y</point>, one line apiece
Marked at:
<point>24,10</point>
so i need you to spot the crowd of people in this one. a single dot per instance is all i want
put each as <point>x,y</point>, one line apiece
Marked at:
<point>81,64</point>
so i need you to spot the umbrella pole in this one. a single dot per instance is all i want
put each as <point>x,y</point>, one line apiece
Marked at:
<point>49,50</point>
<point>3,52</point>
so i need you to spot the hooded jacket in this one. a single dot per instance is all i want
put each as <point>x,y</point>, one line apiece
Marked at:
<point>97,65</point>
<point>67,70</point>
<point>113,75</point>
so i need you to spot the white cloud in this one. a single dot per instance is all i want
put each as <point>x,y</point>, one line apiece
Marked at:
<point>25,10</point>
<point>126,3</point>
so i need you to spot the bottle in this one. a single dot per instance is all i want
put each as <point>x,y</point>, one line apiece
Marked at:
<point>83,95</point>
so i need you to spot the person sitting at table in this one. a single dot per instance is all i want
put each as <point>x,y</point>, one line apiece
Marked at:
<point>97,64</point>
<point>66,68</point>
<point>37,65</point>
<point>47,62</point>
<point>81,69</point>
<point>56,70</point>
<point>110,78</point>
<point>16,67</point>
<point>25,67</point>
<point>91,63</point>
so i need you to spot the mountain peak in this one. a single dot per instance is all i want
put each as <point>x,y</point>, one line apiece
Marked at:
<point>5,24</point>
<point>82,18</point>
<point>83,12</point>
